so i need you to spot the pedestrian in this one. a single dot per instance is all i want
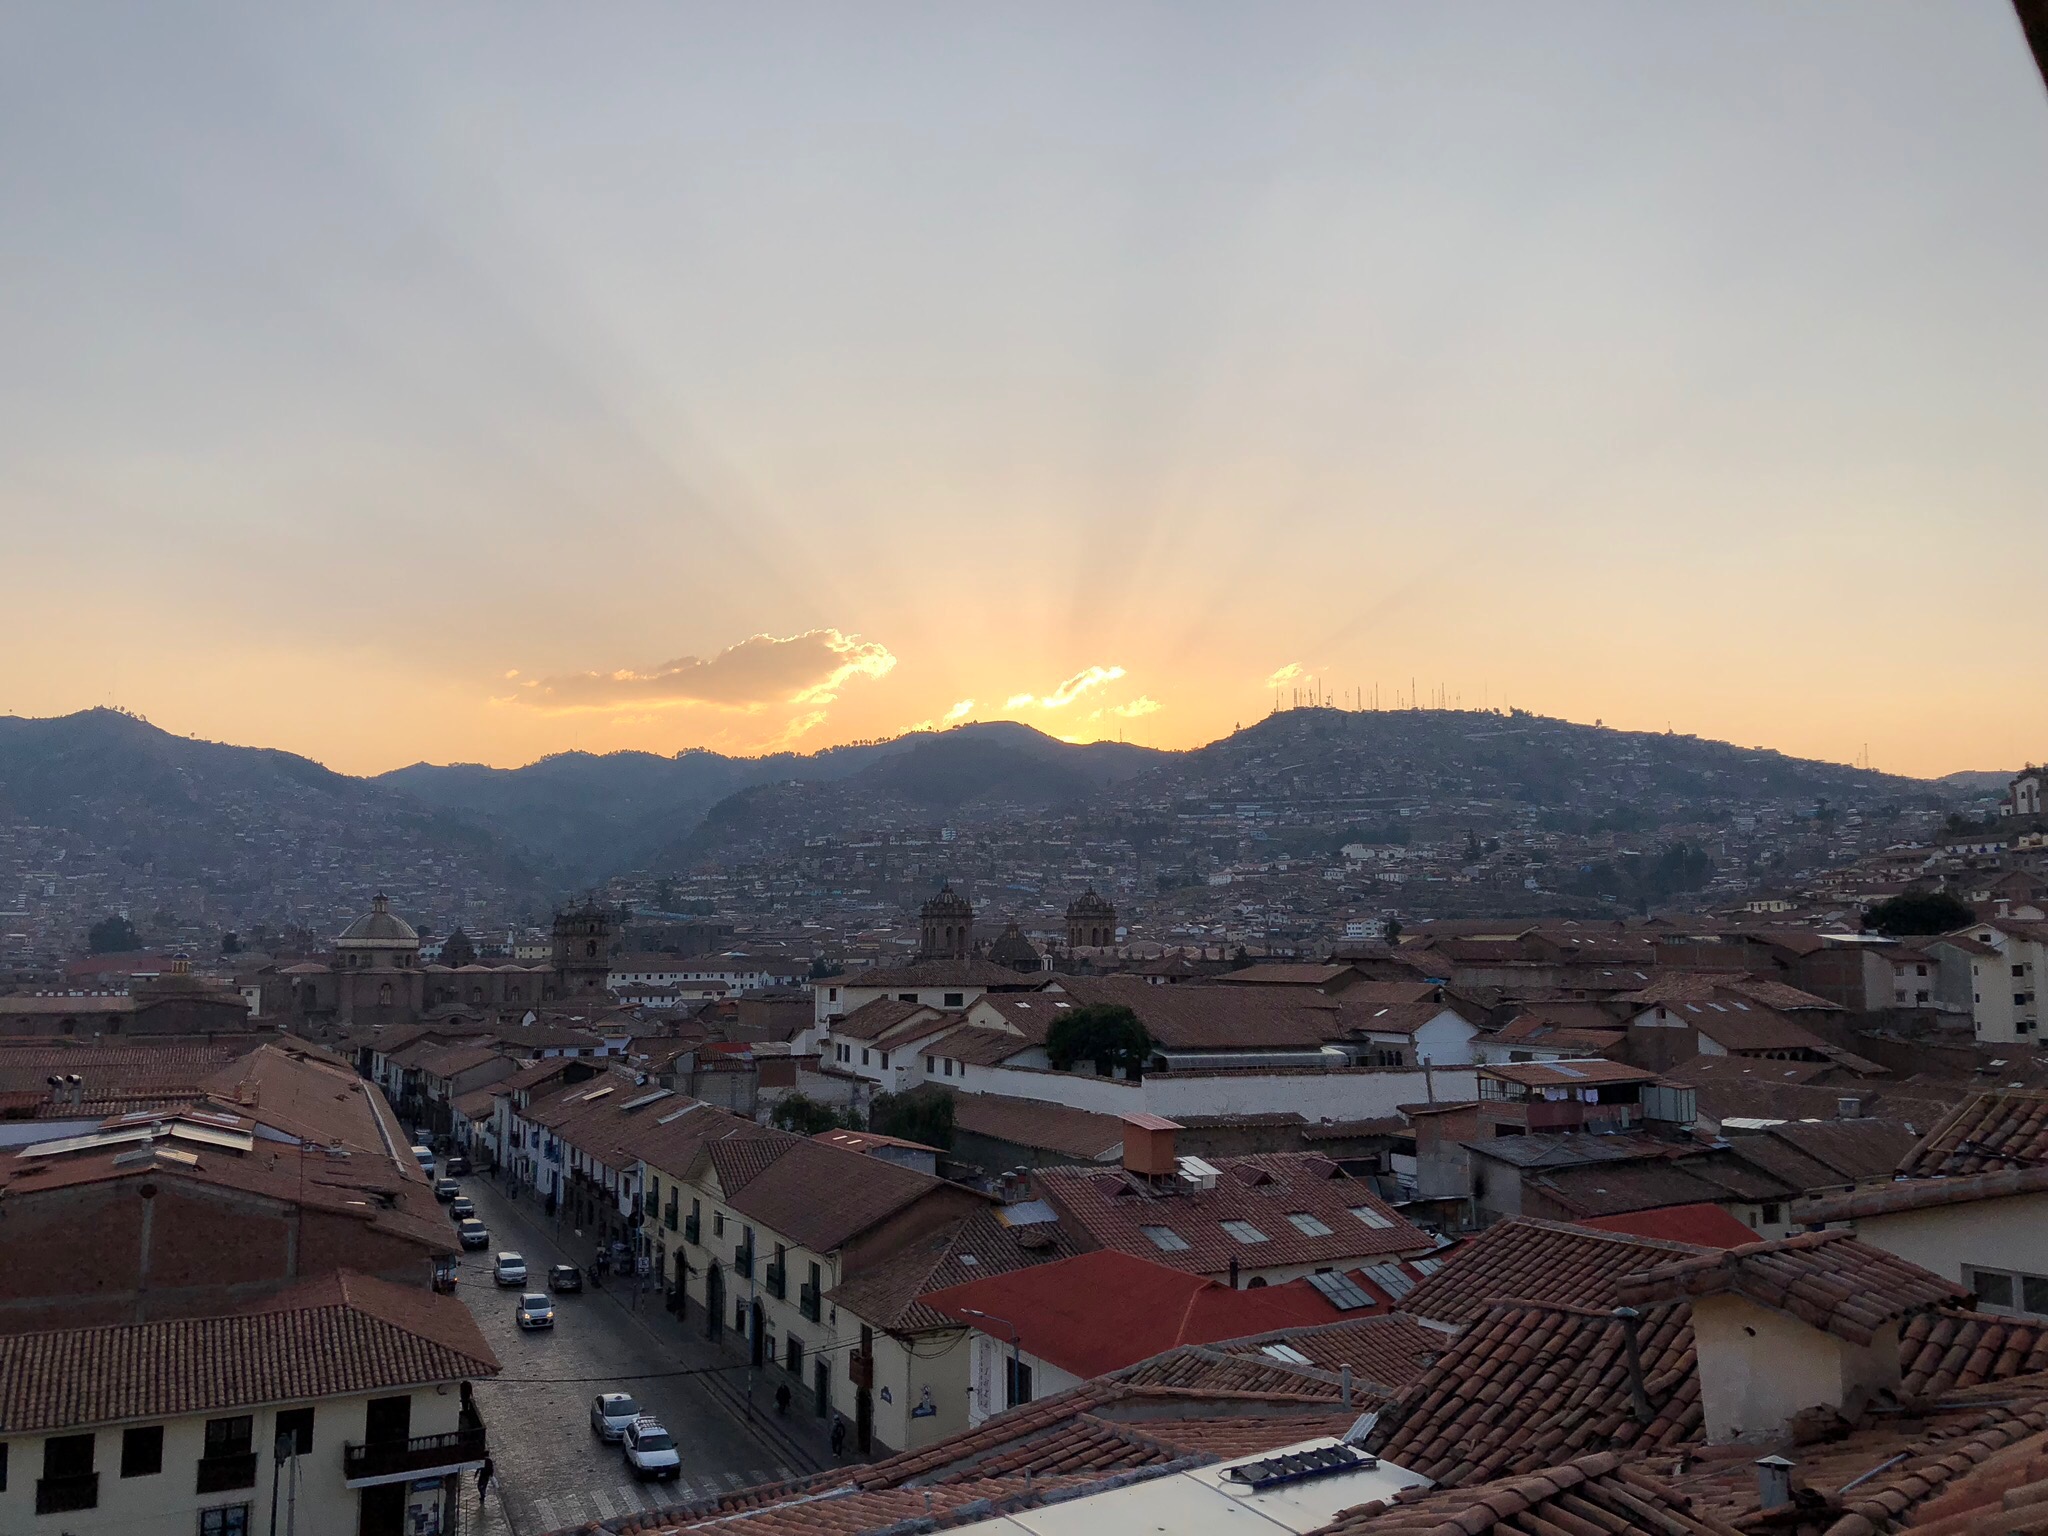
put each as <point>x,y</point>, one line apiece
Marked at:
<point>839,1437</point>
<point>484,1474</point>
<point>782,1399</point>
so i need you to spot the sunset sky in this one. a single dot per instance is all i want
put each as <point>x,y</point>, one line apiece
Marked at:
<point>472,382</point>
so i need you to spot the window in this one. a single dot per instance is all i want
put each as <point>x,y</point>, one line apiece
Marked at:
<point>229,1437</point>
<point>295,1425</point>
<point>142,1451</point>
<point>1285,1352</point>
<point>1016,1382</point>
<point>1243,1231</point>
<point>1773,1213</point>
<point>832,994</point>
<point>3,1467</point>
<point>2009,1291</point>
<point>956,999</point>
<point>793,1354</point>
<point>949,1066</point>
<point>885,1060</point>
<point>2019,970</point>
<point>930,1065</point>
<point>1371,1217</point>
<point>739,1318</point>
<point>227,1520</point>
<point>863,1055</point>
<point>1310,1225</point>
<point>1165,1239</point>
<point>718,1223</point>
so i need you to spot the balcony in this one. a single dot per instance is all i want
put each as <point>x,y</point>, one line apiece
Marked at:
<point>693,1228</point>
<point>777,1280</point>
<point>669,1218</point>
<point>860,1367</point>
<point>388,1460</point>
<point>807,1300</point>
<point>743,1262</point>
<point>61,1495</point>
<point>218,1474</point>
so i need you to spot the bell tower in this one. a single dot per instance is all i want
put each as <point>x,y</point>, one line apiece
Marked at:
<point>583,950</point>
<point>945,926</point>
<point>1091,922</point>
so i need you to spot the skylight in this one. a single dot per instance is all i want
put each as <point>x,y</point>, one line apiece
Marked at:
<point>1285,1352</point>
<point>1371,1217</point>
<point>1304,1222</point>
<point>1341,1291</point>
<point>1244,1232</point>
<point>1165,1239</point>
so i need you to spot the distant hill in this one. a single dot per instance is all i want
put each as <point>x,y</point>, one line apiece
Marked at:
<point>223,817</point>
<point>589,815</point>
<point>244,819</point>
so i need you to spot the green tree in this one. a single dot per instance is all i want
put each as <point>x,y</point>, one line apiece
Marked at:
<point>1393,930</point>
<point>925,1118</point>
<point>822,967</point>
<point>805,1115</point>
<point>1919,912</point>
<point>1108,1034</point>
<point>113,935</point>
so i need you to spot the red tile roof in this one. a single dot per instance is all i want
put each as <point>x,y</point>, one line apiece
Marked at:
<point>1593,1494</point>
<point>1922,1194</point>
<point>337,1335</point>
<point>1943,1349</point>
<point>1113,1209</point>
<point>1700,1226</point>
<point>1827,1280</point>
<point>1099,1312</point>
<point>1039,1125</point>
<point>1526,1259</point>
<point>1528,1386</point>
<point>2001,1129</point>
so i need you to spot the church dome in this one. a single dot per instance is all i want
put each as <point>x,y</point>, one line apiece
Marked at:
<point>379,926</point>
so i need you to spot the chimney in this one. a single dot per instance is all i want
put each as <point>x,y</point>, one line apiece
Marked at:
<point>77,1088</point>
<point>1773,1483</point>
<point>1149,1146</point>
<point>1233,1271</point>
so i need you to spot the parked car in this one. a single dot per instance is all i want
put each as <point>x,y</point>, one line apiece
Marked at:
<point>651,1450</point>
<point>510,1268</point>
<point>536,1310</point>
<point>610,1413</point>
<point>564,1277</point>
<point>458,1165</point>
<point>424,1156</point>
<point>474,1234</point>
<point>447,1189</point>
<point>461,1208</point>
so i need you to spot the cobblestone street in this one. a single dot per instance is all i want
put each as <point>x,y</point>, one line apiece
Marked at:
<point>551,1471</point>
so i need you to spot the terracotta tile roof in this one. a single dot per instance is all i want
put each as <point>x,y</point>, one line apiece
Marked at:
<point>1387,1352</point>
<point>1922,1194</point>
<point>449,1060</point>
<point>889,1295</point>
<point>1827,1280</point>
<point>1679,988</point>
<point>976,1046</point>
<point>341,1334</point>
<point>928,974</point>
<point>1943,1349</point>
<point>1101,1311</point>
<point>812,1194</point>
<point>1593,1494</point>
<point>886,1016</point>
<point>1201,1371</point>
<point>1039,1125</point>
<point>1613,1188</point>
<point>2000,1129</point>
<point>1528,1386</point>
<point>1113,1209</point>
<point>1282,973</point>
<point>1699,1226</point>
<point>1525,1259</point>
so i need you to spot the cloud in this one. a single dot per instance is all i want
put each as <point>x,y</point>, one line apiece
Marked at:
<point>1286,674</point>
<point>951,717</point>
<point>810,668</point>
<point>1141,705</point>
<point>1067,692</point>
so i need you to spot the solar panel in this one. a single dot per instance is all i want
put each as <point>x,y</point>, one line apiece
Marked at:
<point>1391,1278</point>
<point>1299,1466</point>
<point>1340,1291</point>
<point>646,1099</point>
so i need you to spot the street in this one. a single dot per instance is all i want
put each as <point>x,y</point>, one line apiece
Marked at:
<point>551,1470</point>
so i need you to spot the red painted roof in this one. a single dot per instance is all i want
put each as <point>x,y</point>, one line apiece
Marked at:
<point>1708,1226</point>
<point>1102,1311</point>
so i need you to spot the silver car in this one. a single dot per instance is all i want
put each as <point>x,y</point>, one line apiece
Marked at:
<point>536,1310</point>
<point>610,1413</point>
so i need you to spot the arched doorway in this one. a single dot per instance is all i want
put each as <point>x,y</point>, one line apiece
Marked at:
<point>755,1318</point>
<point>714,1301</point>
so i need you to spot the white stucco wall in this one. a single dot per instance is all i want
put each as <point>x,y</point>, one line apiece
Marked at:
<point>1758,1367</point>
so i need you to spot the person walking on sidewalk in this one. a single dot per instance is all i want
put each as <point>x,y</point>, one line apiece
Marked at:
<point>839,1437</point>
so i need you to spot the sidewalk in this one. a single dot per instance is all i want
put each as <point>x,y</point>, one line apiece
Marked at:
<point>799,1438</point>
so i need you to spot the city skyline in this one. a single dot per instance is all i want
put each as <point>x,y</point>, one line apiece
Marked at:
<point>397,387</point>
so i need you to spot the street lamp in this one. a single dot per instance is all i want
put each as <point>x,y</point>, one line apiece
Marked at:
<point>1016,1369</point>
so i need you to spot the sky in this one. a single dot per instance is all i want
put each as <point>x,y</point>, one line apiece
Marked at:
<point>472,382</point>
